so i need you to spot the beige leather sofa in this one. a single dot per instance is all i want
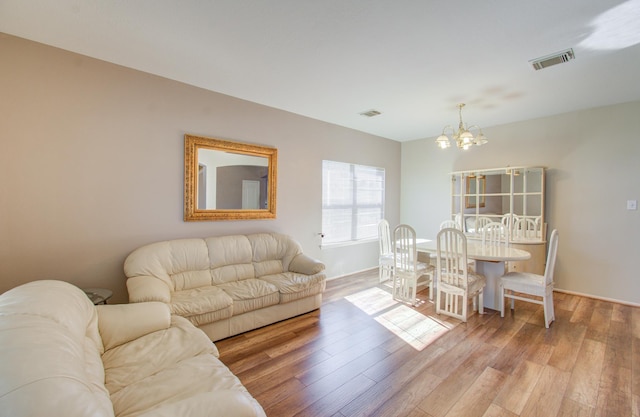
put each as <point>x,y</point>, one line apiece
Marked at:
<point>61,356</point>
<point>229,284</point>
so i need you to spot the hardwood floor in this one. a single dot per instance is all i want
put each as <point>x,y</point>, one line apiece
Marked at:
<point>362,354</point>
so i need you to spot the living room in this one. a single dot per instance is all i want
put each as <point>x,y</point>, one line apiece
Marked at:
<point>92,168</point>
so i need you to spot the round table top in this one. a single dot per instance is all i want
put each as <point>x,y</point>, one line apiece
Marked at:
<point>480,252</point>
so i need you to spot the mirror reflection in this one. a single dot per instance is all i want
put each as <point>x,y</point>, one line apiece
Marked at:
<point>498,195</point>
<point>231,181</point>
<point>227,180</point>
<point>492,189</point>
<point>475,195</point>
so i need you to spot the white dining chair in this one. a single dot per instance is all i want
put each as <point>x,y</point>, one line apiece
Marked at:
<point>459,221</point>
<point>539,226</point>
<point>455,283</point>
<point>481,222</point>
<point>449,223</point>
<point>385,257</point>
<point>494,234</point>
<point>508,221</point>
<point>408,273</point>
<point>524,228</point>
<point>533,288</point>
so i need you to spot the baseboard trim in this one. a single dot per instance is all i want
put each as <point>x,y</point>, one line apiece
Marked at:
<point>352,273</point>
<point>581,294</point>
<point>612,300</point>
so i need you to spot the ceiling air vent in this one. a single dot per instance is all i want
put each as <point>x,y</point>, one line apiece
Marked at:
<point>370,113</point>
<point>549,60</point>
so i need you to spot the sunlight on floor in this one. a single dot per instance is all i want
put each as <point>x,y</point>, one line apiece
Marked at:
<point>411,326</point>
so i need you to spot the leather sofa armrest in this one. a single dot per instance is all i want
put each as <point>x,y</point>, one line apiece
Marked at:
<point>147,288</point>
<point>307,265</point>
<point>122,323</point>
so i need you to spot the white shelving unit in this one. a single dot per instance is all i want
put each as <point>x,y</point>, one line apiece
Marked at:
<point>498,192</point>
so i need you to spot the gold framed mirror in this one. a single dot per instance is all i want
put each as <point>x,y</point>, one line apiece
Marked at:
<point>475,193</point>
<point>226,180</point>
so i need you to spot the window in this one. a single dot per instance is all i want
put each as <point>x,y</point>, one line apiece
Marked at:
<point>352,202</point>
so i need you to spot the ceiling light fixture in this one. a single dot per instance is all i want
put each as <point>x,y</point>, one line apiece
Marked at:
<point>463,137</point>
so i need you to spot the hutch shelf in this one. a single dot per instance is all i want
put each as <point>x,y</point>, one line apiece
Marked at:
<point>504,195</point>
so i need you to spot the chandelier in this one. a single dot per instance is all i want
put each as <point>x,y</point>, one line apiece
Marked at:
<point>463,137</point>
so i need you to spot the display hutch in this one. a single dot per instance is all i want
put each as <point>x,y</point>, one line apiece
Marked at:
<point>504,195</point>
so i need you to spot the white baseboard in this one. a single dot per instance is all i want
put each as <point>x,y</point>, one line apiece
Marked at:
<point>612,300</point>
<point>352,273</point>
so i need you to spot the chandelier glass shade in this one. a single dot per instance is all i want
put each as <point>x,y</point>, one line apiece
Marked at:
<point>463,137</point>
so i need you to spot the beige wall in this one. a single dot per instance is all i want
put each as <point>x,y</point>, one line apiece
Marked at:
<point>91,166</point>
<point>592,156</point>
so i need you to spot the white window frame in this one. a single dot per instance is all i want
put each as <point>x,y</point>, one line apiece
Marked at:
<point>361,200</point>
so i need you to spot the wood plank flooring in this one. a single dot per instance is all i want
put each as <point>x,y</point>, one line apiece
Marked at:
<point>362,354</point>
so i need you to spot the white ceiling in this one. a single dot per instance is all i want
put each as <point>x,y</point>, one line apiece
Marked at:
<point>412,60</point>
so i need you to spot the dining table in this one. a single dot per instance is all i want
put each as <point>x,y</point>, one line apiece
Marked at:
<point>490,262</point>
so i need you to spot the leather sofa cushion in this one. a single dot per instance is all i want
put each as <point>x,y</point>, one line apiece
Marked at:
<point>272,246</point>
<point>268,267</point>
<point>50,356</point>
<point>117,328</point>
<point>231,273</point>
<point>201,300</point>
<point>211,316</point>
<point>191,279</point>
<point>169,260</point>
<point>230,259</point>
<point>142,358</point>
<point>228,250</point>
<point>174,372</point>
<point>200,386</point>
<point>250,294</point>
<point>44,373</point>
<point>292,286</point>
<point>222,402</point>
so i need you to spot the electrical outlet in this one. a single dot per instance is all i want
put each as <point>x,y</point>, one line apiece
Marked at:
<point>632,204</point>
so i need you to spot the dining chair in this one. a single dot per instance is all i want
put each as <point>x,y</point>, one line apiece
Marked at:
<point>449,223</point>
<point>385,257</point>
<point>494,234</point>
<point>481,222</point>
<point>455,283</point>
<point>539,226</point>
<point>524,228</point>
<point>408,273</point>
<point>457,225</point>
<point>460,221</point>
<point>533,288</point>
<point>508,220</point>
